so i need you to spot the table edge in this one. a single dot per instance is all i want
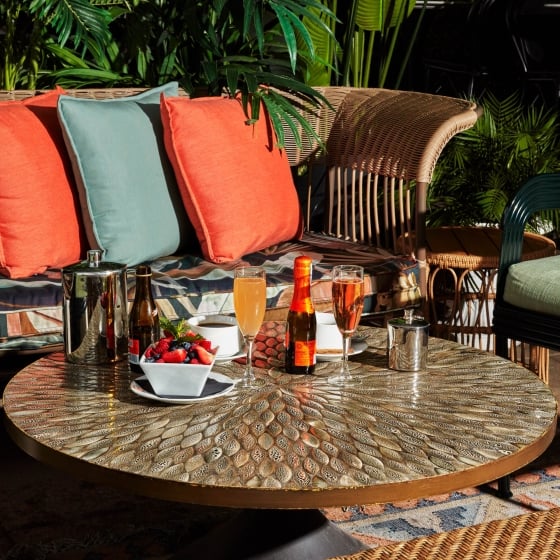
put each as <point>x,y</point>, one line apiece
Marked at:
<point>255,498</point>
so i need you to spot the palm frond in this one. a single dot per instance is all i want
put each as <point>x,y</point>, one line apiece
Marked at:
<point>76,19</point>
<point>482,168</point>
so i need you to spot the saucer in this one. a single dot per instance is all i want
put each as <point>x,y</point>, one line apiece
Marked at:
<point>216,386</point>
<point>222,359</point>
<point>357,347</point>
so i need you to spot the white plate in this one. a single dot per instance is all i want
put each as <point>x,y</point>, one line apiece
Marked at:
<point>221,359</point>
<point>142,388</point>
<point>357,346</point>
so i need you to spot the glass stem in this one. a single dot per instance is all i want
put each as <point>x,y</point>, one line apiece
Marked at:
<point>248,376</point>
<point>345,350</point>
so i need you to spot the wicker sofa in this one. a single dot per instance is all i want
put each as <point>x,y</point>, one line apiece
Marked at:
<point>360,198</point>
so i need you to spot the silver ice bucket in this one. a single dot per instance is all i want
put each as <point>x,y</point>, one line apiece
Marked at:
<point>407,342</point>
<point>95,311</point>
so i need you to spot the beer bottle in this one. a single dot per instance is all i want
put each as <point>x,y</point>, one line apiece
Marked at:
<point>301,325</point>
<point>143,320</point>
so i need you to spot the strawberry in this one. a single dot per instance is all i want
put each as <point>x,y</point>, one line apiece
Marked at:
<point>205,343</point>
<point>176,356</point>
<point>162,346</point>
<point>204,357</point>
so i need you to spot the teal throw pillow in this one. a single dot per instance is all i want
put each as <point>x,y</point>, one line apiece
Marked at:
<point>129,198</point>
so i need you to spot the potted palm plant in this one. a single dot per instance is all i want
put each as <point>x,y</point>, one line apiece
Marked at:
<point>481,168</point>
<point>255,47</point>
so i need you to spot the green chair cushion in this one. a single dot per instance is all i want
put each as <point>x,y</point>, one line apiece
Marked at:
<point>535,285</point>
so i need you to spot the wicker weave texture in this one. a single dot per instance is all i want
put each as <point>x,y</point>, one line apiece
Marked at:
<point>532,536</point>
<point>395,140</point>
<point>90,93</point>
<point>397,133</point>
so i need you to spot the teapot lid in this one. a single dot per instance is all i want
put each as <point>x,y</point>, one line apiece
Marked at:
<point>94,265</point>
<point>409,321</point>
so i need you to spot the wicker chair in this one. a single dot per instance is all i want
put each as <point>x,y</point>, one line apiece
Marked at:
<point>532,536</point>
<point>377,179</point>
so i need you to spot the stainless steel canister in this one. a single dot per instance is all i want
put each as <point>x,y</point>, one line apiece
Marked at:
<point>407,342</point>
<point>95,311</point>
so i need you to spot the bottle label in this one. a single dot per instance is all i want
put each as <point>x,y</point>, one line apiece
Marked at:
<point>304,353</point>
<point>133,350</point>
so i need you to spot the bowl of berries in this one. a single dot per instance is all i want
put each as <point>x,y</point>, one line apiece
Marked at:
<point>179,363</point>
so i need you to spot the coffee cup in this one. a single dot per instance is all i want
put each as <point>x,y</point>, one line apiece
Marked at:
<point>221,330</point>
<point>328,337</point>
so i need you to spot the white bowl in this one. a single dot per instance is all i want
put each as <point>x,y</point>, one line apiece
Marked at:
<point>177,380</point>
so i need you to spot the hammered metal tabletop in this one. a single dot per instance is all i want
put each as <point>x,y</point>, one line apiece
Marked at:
<point>297,441</point>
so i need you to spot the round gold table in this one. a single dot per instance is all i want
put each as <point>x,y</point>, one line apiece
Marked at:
<point>294,445</point>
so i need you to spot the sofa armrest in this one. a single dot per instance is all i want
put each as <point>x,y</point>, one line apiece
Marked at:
<point>381,148</point>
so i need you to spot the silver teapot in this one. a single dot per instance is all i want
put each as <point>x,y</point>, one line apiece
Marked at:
<point>95,311</point>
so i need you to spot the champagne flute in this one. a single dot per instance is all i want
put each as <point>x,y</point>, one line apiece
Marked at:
<point>249,300</point>
<point>348,303</point>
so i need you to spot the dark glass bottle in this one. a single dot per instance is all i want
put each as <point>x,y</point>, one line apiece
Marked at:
<point>143,320</point>
<point>301,325</point>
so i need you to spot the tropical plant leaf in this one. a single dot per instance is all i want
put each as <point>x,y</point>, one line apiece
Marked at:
<point>232,75</point>
<point>281,110</point>
<point>369,14</point>
<point>483,167</point>
<point>291,24</point>
<point>78,19</point>
<point>80,77</point>
<point>211,46</point>
<point>319,70</point>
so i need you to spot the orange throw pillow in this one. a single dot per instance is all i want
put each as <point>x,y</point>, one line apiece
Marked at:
<point>236,185</point>
<point>39,225</point>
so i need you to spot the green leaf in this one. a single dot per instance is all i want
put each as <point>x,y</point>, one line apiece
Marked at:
<point>232,75</point>
<point>320,26</point>
<point>285,111</point>
<point>285,19</point>
<point>79,77</point>
<point>483,167</point>
<point>369,14</point>
<point>77,18</point>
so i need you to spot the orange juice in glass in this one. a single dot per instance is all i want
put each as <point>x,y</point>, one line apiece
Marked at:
<point>249,300</point>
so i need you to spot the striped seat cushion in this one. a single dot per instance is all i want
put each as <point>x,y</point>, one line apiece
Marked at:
<point>31,309</point>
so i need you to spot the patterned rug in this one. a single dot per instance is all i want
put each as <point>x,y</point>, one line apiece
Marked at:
<point>47,515</point>
<point>536,487</point>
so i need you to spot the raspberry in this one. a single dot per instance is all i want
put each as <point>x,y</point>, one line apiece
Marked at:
<point>162,346</point>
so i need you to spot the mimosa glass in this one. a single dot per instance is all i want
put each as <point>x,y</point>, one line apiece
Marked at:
<point>348,303</point>
<point>249,300</point>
